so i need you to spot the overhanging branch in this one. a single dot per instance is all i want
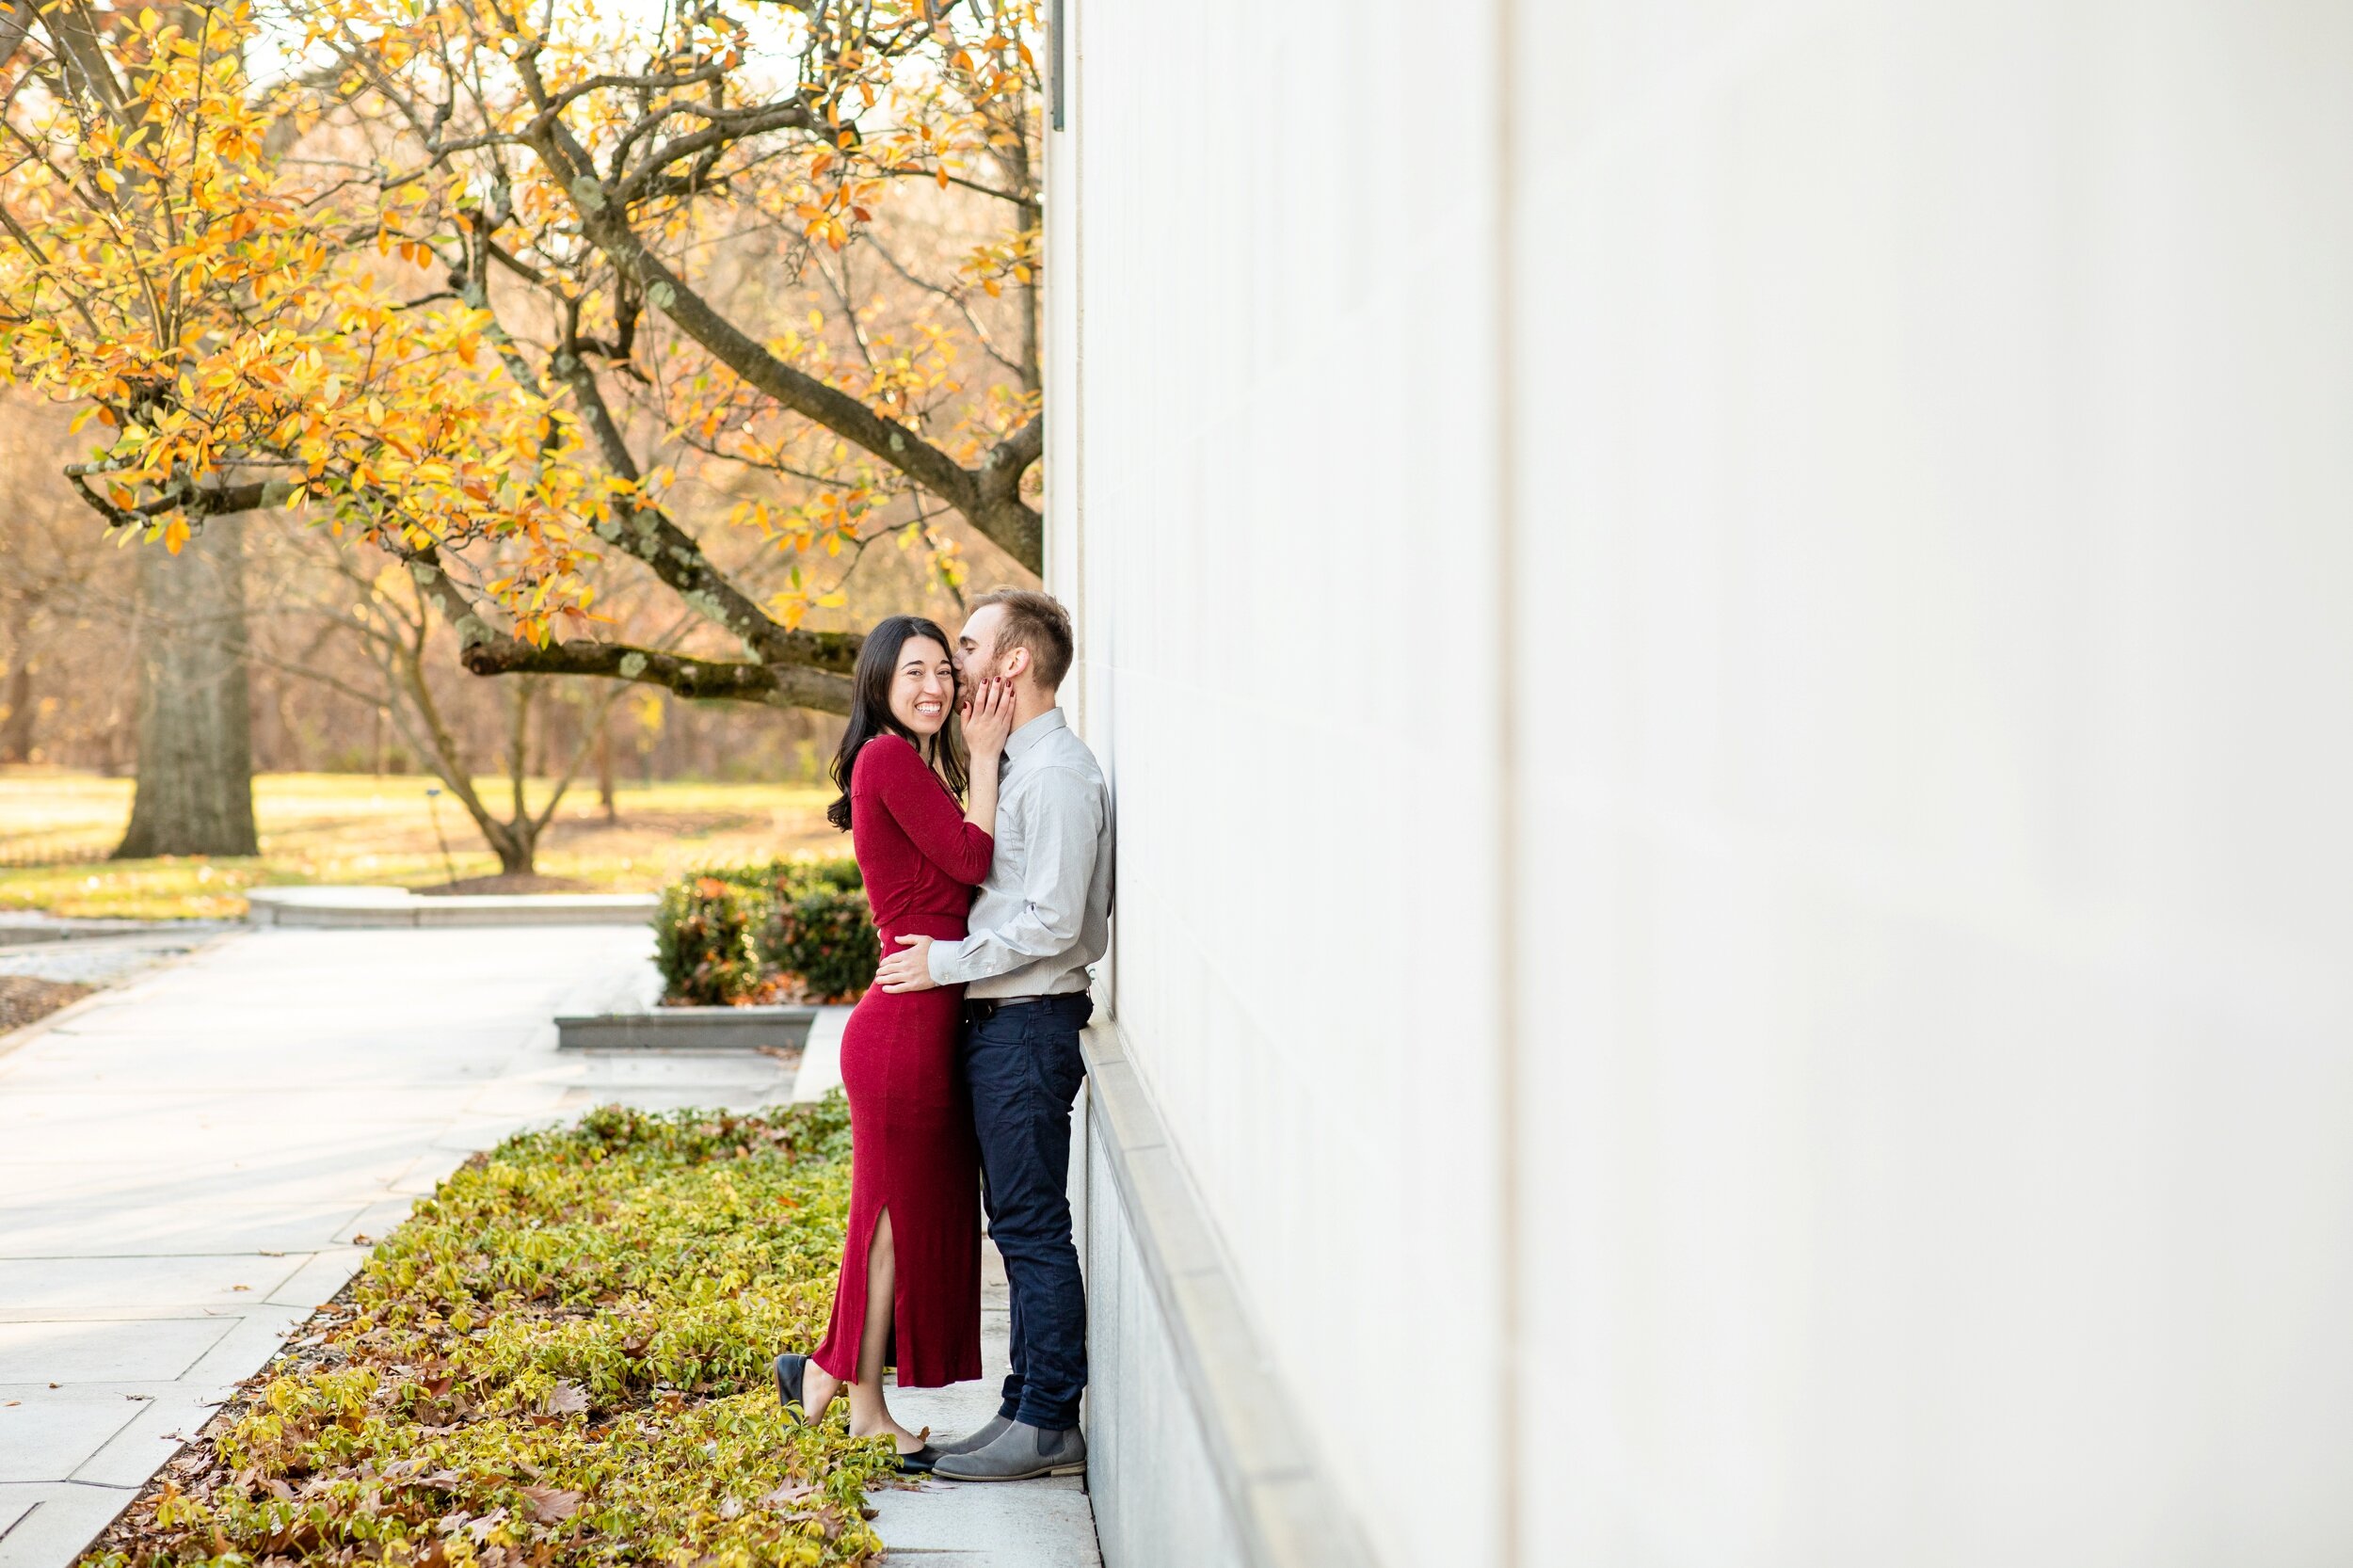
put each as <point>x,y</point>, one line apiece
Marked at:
<point>811,669</point>
<point>779,685</point>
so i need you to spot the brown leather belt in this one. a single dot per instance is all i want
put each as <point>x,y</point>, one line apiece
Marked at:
<point>977,1008</point>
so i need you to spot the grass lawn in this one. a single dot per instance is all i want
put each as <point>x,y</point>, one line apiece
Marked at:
<point>560,1361</point>
<point>345,828</point>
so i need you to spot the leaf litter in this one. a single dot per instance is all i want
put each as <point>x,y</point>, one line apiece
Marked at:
<point>561,1360</point>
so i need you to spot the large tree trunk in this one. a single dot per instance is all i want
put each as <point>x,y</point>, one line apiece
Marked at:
<point>517,846</point>
<point>195,792</point>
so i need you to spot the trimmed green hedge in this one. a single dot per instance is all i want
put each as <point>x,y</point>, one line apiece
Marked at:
<point>721,935</point>
<point>559,1362</point>
<point>702,939</point>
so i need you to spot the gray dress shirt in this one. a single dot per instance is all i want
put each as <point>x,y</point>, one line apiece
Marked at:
<point>1045,913</point>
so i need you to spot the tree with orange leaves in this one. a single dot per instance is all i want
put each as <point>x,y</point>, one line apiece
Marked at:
<point>525,296</point>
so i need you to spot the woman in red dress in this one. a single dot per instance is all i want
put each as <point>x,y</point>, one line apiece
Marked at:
<point>910,1294</point>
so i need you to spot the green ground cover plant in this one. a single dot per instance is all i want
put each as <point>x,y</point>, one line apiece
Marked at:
<point>730,934</point>
<point>561,1359</point>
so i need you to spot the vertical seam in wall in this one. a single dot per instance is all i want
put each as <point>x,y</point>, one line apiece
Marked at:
<point>1074,148</point>
<point>1066,63</point>
<point>1508,1220</point>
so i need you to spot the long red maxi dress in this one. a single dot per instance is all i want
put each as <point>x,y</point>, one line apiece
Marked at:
<point>912,1148</point>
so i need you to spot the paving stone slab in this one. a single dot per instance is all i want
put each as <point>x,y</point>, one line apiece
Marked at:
<point>118,1062</point>
<point>478,1134</point>
<point>1033,1524</point>
<point>131,1349</point>
<point>624,1071</point>
<point>53,1285</point>
<point>512,1099</point>
<point>254,1336</point>
<point>714,1096</point>
<point>146,1443</point>
<point>46,1434</point>
<point>156,1138</point>
<point>119,1114</point>
<point>87,1227</point>
<point>55,1520</point>
<point>428,1171</point>
<point>321,1275</point>
<point>135,1183</point>
<point>376,1222</point>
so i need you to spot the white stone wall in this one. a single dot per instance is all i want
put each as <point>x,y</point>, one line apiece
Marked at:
<point>1268,419</point>
<point>1836,603</point>
<point>1937,867</point>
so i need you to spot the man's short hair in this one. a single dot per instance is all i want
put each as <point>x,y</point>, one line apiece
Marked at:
<point>1037,622</point>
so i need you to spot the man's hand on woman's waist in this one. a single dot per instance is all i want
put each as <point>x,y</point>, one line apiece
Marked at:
<point>909,968</point>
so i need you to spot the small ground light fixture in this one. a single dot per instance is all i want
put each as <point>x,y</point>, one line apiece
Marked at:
<point>433,806</point>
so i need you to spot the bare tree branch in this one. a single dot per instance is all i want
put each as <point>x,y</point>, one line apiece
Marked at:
<point>990,500</point>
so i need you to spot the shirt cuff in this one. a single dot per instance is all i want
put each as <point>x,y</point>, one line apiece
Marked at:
<point>940,959</point>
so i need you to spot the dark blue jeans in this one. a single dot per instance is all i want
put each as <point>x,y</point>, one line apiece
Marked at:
<point>1024,1067</point>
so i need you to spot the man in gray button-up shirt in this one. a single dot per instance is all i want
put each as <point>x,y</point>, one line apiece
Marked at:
<point>1045,913</point>
<point>1040,918</point>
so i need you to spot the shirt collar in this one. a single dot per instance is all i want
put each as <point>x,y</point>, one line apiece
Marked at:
<point>1031,733</point>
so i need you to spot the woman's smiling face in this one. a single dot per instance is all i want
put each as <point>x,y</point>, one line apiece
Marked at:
<point>923,688</point>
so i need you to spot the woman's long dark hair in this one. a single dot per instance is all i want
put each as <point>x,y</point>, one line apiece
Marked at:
<point>871,715</point>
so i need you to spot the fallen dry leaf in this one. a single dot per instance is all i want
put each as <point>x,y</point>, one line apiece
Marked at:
<point>786,1495</point>
<point>551,1503</point>
<point>566,1399</point>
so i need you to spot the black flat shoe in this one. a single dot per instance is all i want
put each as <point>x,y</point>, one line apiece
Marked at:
<point>790,1372</point>
<point>920,1462</point>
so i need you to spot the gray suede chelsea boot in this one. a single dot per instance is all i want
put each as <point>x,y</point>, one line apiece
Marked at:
<point>1019,1452</point>
<point>977,1440</point>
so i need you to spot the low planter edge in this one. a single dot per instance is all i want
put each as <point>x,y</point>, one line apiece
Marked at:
<point>688,1028</point>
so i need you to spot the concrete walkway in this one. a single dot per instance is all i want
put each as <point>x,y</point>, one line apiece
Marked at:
<point>188,1165</point>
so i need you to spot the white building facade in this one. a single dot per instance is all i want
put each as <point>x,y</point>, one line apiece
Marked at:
<point>1724,637</point>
